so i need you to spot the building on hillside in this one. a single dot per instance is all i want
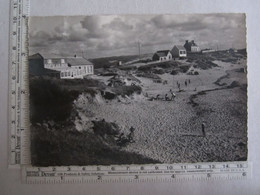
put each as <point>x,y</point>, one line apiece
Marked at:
<point>179,51</point>
<point>191,46</point>
<point>64,68</point>
<point>163,55</point>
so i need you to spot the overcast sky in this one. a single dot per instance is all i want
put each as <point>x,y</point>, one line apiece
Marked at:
<point>110,35</point>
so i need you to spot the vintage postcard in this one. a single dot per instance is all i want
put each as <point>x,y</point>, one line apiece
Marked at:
<point>138,89</point>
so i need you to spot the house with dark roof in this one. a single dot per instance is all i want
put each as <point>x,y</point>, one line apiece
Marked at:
<point>178,51</point>
<point>163,55</point>
<point>61,67</point>
<point>191,46</point>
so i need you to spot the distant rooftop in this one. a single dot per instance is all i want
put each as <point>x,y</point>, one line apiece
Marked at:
<point>73,61</point>
<point>78,61</point>
<point>180,47</point>
<point>162,53</point>
<point>50,56</point>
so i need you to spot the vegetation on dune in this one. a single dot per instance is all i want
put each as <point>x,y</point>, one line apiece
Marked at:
<point>48,101</point>
<point>70,147</point>
<point>54,138</point>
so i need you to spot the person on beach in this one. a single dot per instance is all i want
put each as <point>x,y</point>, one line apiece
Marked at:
<point>131,135</point>
<point>158,97</point>
<point>189,81</point>
<point>166,97</point>
<point>173,95</point>
<point>185,83</point>
<point>203,129</point>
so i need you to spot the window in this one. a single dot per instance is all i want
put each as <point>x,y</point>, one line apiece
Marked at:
<point>62,61</point>
<point>49,61</point>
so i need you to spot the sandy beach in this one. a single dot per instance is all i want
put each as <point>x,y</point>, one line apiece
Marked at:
<point>170,131</point>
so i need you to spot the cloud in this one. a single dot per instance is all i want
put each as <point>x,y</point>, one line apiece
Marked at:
<point>118,25</point>
<point>119,34</point>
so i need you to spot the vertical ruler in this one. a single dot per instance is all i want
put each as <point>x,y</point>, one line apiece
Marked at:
<point>19,134</point>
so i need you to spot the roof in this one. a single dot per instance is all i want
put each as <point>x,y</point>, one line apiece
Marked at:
<point>191,43</point>
<point>51,56</point>
<point>35,56</point>
<point>162,53</point>
<point>78,61</point>
<point>180,47</point>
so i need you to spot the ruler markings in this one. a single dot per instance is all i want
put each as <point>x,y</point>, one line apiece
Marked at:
<point>18,84</point>
<point>148,173</point>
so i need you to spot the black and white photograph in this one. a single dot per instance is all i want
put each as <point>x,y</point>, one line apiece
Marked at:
<point>138,89</point>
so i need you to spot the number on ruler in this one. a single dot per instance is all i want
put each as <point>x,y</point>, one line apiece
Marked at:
<point>169,167</point>
<point>14,19</point>
<point>15,5</point>
<point>225,166</point>
<point>183,167</point>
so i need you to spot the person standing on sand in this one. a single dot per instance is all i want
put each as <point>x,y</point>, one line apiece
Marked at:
<point>173,95</point>
<point>186,83</point>
<point>203,129</point>
<point>189,81</point>
<point>131,135</point>
<point>166,97</point>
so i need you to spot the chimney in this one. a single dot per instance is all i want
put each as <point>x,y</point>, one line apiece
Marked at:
<point>192,41</point>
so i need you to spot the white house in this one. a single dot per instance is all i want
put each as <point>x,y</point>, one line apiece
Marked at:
<point>191,46</point>
<point>69,68</point>
<point>163,55</point>
<point>179,51</point>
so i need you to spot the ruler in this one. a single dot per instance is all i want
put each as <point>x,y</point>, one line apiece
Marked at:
<point>19,134</point>
<point>136,173</point>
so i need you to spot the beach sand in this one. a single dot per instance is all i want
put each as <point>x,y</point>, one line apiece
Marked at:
<point>170,131</point>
